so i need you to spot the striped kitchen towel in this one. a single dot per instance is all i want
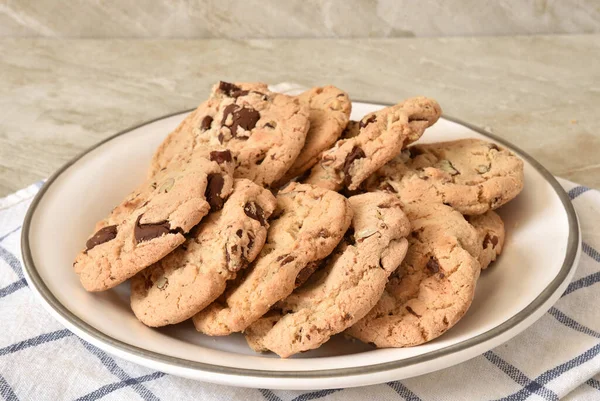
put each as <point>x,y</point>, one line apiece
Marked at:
<point>558,357</point>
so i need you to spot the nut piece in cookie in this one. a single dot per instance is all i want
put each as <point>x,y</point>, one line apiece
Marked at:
<point>381,136</point>
<point>490,228</point>
<point>195,274</point>
<point>345,289</point>
<point>330,109</point>
<point>433,287</point>
<point>264,131</point>
<point>471,175</point>
<point>151,222</point>
<point>306,226</point>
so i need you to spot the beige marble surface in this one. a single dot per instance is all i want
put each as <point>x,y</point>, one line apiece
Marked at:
<point>294,18</point>
<point>58,97</point>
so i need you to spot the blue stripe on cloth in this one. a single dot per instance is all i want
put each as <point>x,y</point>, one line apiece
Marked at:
<point>12,261</point>
<point>9,289</point>
<point>575,192</point>
<point>39,184</point>
<point>316,394</point>
<point>6,391</point>
<point>531,386</point>
<point>591,252</point>
<point>35,341</point>
<point>567,321</point>
<point>269,395</point>
<point>582,283</point>
<point>403,391</point>
<point>109,388</point>
<point>593,383</point>
<point>2,238</point>
<point>552,374</point>
<point>116,370</point>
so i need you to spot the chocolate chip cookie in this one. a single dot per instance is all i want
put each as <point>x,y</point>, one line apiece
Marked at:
<point>195,274</point>
<point>330,109</point>
<point>264,131</point>
<point>433,287</point>
<point>306,226</point>
<point>151,222</point>
<point>345,289</point>
<point>490,228</point>
<point>381,136</point>
<point>471,175</point>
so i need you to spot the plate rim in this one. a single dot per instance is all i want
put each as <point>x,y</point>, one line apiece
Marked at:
<point>50,301</point>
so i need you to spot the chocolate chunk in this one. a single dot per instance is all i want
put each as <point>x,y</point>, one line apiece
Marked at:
<point>101,236</point>
<point>146,232</point>
<point>213,191</point>
<point>227,87</point>
<point>231,90</point>
<point>241,117</point>
<point>255,212</point>
<point>239,233</point>
<point>250,242</point>
<point>490,240</point>
<point>306,272</point>
<point>206,122</point>
<point>220,137</point>
<point>433,265</point>
<point>285,259</point>
<point>239,262</point>
<point>229,109</point>
<point>221,157</point>
<point>355,154</point>
<point>368,121</point>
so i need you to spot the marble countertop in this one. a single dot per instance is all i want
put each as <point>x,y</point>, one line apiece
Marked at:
<point>58,97</point>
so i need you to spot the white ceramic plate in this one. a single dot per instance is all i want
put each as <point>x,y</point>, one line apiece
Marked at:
<point>540,255</point>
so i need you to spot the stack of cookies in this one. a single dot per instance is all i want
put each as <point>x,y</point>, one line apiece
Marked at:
<point>277,217</point>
